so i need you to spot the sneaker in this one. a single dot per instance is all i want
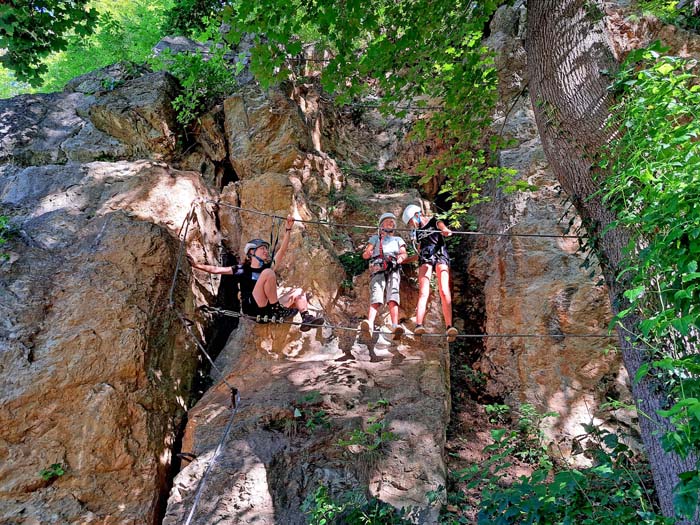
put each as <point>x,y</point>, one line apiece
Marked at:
<point>451,334</point>
<point>309,321</point>
<point>280,312</point>
<point>419,329</point>
<point>365,327</point>
<point>398,331</point>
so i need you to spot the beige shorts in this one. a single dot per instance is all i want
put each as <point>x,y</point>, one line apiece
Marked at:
<point>384,284</point>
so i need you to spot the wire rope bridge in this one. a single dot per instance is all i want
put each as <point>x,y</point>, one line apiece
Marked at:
<point>277,220</point>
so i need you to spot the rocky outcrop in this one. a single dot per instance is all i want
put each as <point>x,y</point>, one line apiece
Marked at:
<point>140,114</point>
<point>265,132</point>
<point>550,286</point>
<point>96,369</point>
<point>280,448</point>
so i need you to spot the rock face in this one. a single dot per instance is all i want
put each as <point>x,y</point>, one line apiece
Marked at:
<point>539,285</point>
<point>140,114</point>
<point>95,368</point>
<point>281,447</point>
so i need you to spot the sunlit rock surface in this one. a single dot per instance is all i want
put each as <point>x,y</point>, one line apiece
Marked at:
<point>95,369</point>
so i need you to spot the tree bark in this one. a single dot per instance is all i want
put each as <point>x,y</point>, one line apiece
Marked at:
<point>570,65</point>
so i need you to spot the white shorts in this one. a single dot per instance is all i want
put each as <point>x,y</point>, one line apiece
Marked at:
<point>385,285</point>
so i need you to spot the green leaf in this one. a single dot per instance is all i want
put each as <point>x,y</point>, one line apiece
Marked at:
<point>665,68</point>
<point>642,371</point>
<point>635,293</point>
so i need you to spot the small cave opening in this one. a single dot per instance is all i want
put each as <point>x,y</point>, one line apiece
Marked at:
<point>225,174</point>
<point>220,326</point>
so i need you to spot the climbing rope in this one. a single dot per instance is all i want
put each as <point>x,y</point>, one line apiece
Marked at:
<point>236,399</point>
<point>185,226</point>
<point>274,320</point>
<point>188,327</point>
<point>259,319</point>
<point>365,227</point>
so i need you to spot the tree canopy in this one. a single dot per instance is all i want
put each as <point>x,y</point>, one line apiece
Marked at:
<point>416,55</point>
<point>32,29</point>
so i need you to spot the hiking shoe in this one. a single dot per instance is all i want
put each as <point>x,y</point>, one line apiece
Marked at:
<point>398,331</point>
<point>309,321</point>
<point>282,313</point>
<point>419,329</point>
<point>365,327</point>
<point>451,334</point>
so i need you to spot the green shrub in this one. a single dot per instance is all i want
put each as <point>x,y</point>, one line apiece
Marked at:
<point>531,445</point>
<point>205,80</point>
<point>374,436</point>
<point>5,234</point>
<point>497,413</point>
<point>354,265</point>
<point>353,508</point>
<point>652,184</point>
<point>366,445</point>
<point>348,198</point>
<point>306,410</point>
<point>56,470</point>
<point>188,17</point>
<point>317,419</point>
<point>612,491</point>
<point>669,12</point>
<point>385,180</point>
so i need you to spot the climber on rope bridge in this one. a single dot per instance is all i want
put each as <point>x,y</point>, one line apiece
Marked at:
<point>257,282</point>
<point>429,234</point>
<point>386,253</point>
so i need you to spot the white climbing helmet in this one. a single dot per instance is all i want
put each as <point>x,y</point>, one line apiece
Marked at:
<point>254,244</point>
<point>410,212</point>
<point>385,216</point>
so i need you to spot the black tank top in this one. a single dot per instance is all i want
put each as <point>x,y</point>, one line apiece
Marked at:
<point>247,277</point>
<point>425,237</point>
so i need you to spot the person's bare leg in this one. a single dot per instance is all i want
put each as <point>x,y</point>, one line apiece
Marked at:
<point>265,290</point>
<point>396,328</point>
<point>394,312</point>
<point>443,281</point>
<point>368,324</point>
<point>425,272</point>
<point>372,314</point>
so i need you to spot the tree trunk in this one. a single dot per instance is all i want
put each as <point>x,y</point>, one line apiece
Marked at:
<point>569,66</point>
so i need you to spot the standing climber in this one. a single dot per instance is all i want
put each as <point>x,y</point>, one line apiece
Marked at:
<point>432,256</point>
<point>257,282</point>
<point>385,252</point>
